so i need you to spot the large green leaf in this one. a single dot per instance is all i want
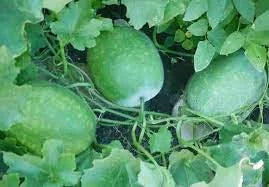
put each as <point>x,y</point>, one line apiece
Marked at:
<point>261,23</point>
<point>231,176</point>
<point>195,9</point>
<point>203,55</point>
<point>257,55</point>
<point>56,168</point>
<point>232,43</point>
<point>261,7</point>
<point>216,10</point>
<point>246,8</point>
<point>145,11</point>
<point>10,180</point>
<point>258,37</point>
<point>8,70</point>
<point>188,169</point>
<point>55,6</point>
<point>13,16</point>
<point>174,8</point>
<point>199,28</point>
<point>35,37</point>
<point>119,169</point>
<point>161,141</point>
<point>217,36</point>
<point>152,176</point>
<point>77,25</point>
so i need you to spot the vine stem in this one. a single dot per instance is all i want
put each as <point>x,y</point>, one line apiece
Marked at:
<point>212,120</point>
<point>186,144</point>
<point>65,63</point>
<point>137,110</point>
<point>141,148</point>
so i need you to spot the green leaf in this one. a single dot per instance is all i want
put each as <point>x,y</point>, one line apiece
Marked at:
<point>257,56</point>
<point>54,169</point>
<point>85,159</point>
<point>246,8</point>
<point>161,141</point>
<point>232,43</point>
<point>120,168</point>
<point>153,12</point>
<point>11,110</point>
<point>187,44</point>
<point>242,145</point>
<point>195,9</point>
<point>258,37</point>
<point>188,169</point>
<point>13,15</point>
<point>179,36</point>
<point>199,28</point>
<point>261,7</point>
<point>35,37</point>
<point>174,8</point>
<point>8,70</point>
<point>152,176</point>
<point>10,180</point>
<point>12,145</point>
<point>231,176</point>
<point>116,144</point>
<point>203,55</point>
<point>169,42</point>
<point>261,23</point>
<point>217,36</point>
<point>77,25</point>
<point>216,10</point>
<point>55,6</point>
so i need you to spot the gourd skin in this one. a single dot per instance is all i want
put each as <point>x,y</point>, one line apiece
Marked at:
<point>226,85</point>
<point>125,66</point>
<point>52,112</point>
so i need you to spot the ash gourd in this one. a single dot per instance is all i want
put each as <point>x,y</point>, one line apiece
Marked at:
<point>48,111</point>
<point>225,86</point>
<point>125,66</point>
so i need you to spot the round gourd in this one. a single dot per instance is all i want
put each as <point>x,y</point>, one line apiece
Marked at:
<point>226,85</point>
<point>125,66</point>
<point>47,111</point>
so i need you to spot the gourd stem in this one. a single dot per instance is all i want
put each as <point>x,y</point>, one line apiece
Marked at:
<point>143,119</point>
<point>140,147</point>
